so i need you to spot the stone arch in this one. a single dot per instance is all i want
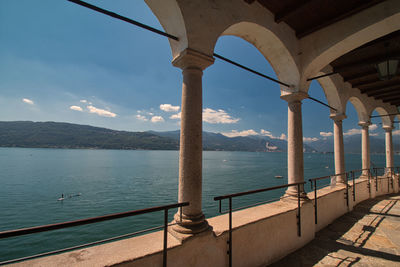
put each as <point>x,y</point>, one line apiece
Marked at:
<point>271,47</point>
<point>320,49</point>
<point>386,120</point>
<point>363,115</point>
<point>171,19</point>
<point>330,85</point>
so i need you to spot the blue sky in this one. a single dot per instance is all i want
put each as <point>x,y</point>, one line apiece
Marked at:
<point>63,62</point>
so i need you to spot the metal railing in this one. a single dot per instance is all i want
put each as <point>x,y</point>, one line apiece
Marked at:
<point>50,227</point>
<point>350,175</point>
<point>384,174</point>
<point>231,196</point>
<point>333,178</point>
<point>362,172</point>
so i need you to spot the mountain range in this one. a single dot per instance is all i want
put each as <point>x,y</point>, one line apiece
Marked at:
<point>68,135</point>
<point>352,144</point>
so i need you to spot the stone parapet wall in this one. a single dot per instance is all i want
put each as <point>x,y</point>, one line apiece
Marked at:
<point>261,235</point>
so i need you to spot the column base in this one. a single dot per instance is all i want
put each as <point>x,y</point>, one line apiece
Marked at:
<point>363,177</point>
<point>188,226</point>
<point>291,194</point>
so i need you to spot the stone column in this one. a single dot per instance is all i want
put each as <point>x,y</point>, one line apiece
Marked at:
<point>365,146</point>
<point>192,64</point>
<point>295,142</point>
<point>339,146</point>
<point>389,147</point>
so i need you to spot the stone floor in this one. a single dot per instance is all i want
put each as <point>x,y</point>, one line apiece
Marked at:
<point>367,236</point>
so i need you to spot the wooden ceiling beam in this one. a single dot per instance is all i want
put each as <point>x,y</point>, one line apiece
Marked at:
<point>395,103</point>
<point>359,75</point>
<point>290,10</point>
<point>318,26</point>
<point>363,83</point>
<point>381,40</point>
<point>386,92</point>
<point>380,88</point>
<point>365,62</point>
<point>389,99</point>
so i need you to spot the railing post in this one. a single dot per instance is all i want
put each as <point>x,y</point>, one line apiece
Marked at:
<point>354,186</point>
<point>398,176</point>
<point>230,233</point>
<point>376,178</point>
<point>392,182</point>
<point>369,182</point>
<point>347,189</point>
<point>315,200</point>
<point>299,211</point>
<point>165,237</point>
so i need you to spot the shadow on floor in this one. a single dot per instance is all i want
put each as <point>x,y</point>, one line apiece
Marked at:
<point>351,238</point>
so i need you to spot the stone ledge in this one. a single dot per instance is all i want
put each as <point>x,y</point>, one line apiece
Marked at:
<point>107,254</point>
<point>241,218</point>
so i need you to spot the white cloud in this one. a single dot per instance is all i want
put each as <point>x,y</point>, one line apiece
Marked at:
<point>355,131</point>
<point>325,134</point>
<point>156,119</point>
<point>83,101</point>
<point>141,117</point>
<point>169,108</point>
<point>76,108</point>
<point>101,112</point>
<point>235,133</point>
<point>396,132</point>
<point>269,134</point>
<point>310,139</point>
<point>266,133</point>
<point>352,132</point>
<point>250,132</point>
<point>217,116</point>
<point>175,116</point>
<point>28,101</point>
<point>373,127</point>
<point>212,116</point>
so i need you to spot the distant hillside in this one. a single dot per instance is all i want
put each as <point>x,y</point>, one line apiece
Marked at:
<point>219,142</point>
<point>67,135</point>
<point>352,144</point>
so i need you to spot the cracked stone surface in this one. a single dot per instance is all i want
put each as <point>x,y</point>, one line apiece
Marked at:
<point>367,236</point>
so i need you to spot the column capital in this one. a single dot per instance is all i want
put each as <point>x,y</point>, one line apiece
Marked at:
<point>338,116</point>
<point>364,124</point>
<point>191,59</point>
<point>294,97</point>
<point>388,128</point>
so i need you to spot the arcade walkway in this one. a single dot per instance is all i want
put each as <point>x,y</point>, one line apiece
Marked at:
<point>367,236</point>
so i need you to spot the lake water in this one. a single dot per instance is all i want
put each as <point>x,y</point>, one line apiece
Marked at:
<point>109,181</point>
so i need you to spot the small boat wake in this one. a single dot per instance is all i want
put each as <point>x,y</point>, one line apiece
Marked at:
<point>62,198</point>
